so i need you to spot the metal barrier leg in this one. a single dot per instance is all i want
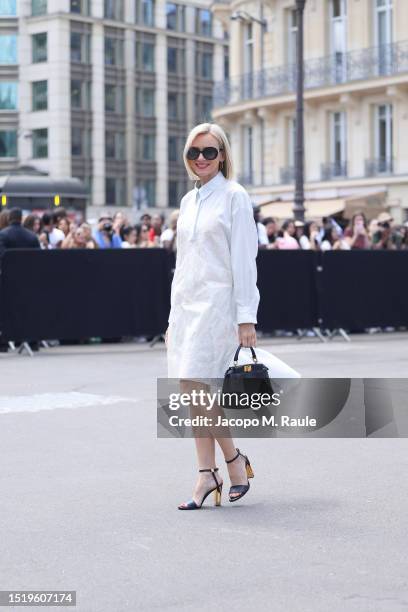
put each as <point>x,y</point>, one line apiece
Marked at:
<point>341,332</point>
<point>27,347</point>
<point>319,334</point>
<point>157,339</point>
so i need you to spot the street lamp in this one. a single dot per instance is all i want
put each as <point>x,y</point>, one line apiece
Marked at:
<point>298,208</point>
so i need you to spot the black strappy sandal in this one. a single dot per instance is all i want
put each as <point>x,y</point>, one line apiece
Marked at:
<point>191,505</point>
<point>241,489</point>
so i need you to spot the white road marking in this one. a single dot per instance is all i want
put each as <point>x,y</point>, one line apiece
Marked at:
<point>54,401</point>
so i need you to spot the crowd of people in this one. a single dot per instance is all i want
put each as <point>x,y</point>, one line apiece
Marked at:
<point>57,229</point>
<point>379,233</point>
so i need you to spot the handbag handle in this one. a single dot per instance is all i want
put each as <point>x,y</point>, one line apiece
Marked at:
<point>237,353</point>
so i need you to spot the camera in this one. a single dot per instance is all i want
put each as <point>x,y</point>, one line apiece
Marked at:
<point>107,227</point>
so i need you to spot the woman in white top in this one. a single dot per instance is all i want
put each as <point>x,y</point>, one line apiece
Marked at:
<point>214,297</point>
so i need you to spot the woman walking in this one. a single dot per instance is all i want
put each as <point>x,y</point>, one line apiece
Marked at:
<point>214,297</point>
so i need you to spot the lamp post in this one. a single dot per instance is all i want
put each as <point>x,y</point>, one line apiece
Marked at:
<point>298,208</point>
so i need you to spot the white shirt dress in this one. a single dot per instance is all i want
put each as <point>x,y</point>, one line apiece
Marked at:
<point>214,284</point>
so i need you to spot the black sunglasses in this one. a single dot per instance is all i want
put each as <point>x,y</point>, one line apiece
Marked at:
<point>209,153</point>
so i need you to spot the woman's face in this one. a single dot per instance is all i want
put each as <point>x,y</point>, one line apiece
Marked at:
<point>270,228</point>
<point>63,225</point>
<point>291,229</point>
<point>206,168</point>
<point>132,237</point>
<point>36,226</point>
<point>86,231</point>
<point>80,238</point>
<point>144,234</point>
<point>358,220</point>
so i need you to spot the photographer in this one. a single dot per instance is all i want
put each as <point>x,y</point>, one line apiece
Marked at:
<point>385,237</point>
<point>105,236</point>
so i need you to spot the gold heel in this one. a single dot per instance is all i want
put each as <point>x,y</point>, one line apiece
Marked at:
<point>249,470</point>
<point>217,496</point>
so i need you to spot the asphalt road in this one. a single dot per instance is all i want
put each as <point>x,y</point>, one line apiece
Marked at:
<point>89,495</point>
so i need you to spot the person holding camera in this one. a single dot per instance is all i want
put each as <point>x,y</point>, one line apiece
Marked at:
<point>356,234</point>
<point>105,236</point>
<point>385,237</point>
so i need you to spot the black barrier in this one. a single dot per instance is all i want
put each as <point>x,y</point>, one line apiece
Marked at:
<point>75,294</point>
<point>362,289</point>
<point>287,285</point>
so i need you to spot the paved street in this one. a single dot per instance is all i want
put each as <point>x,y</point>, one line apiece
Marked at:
<point>89,495</point>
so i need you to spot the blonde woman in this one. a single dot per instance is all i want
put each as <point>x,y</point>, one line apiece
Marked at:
<point>214,297</point>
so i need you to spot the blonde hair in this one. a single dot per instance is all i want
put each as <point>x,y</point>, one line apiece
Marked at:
<point>221,137</point>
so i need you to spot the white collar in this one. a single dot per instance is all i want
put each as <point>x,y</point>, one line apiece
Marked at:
<point>208,187</point>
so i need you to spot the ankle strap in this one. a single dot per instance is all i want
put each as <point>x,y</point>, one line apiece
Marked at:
<point>236,456</point>
<point>213,470</point>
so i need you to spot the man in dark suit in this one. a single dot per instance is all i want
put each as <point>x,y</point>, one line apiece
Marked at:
<point>15,236</point>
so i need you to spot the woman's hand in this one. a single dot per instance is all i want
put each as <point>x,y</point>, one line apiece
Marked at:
<point>247,334</point>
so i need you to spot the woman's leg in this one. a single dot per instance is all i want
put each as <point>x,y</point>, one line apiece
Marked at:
<point>204,442</point>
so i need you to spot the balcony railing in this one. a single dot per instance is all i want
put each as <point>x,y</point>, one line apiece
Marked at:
<point>363,64</point>
<point>333,170</point>
<point>380,165</point>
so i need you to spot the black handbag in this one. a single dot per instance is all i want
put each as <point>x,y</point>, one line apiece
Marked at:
<point>243,381</point>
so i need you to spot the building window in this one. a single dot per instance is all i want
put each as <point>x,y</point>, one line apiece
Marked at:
<point>383,34</point>
<point>145,56</point>
<point>172,149</point>
<point>81,7</point>
<point>40,143</point>
<point>149,187</point>
<point>226,64</point>
<point>80,48</point>
<point>145,12</point>
<point>384,136</point>
<point>248,154</point>
<point>80,142</point>
<point>114,145</point>
<point>291,41</point>
<point>38,7</point>
<point>203,22</point>
<point>205,69</point>
<point>383,22</point>
<point>81,94</point>
<point>115,191</point>
<point>8,48</point>
<point>291,140</point>
<point>40,95</point>
<point>175,105</point>
<point>204,108</point>
<point>175,17</point>
<point>8,8</point>
<point>39,47</point>
<point>8,95</point>
<point>115,99</point>
<point>338,140</point>
<point>145,102</point>
<point>113,9</point>
<point>113,51</point>
<point>175,60</point>
<point>173,193</point>
<point>8,143</point>
<point>338,38</point>
<point>148,147</point>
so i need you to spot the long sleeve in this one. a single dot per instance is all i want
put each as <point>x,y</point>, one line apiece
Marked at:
<point>244,250</point>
